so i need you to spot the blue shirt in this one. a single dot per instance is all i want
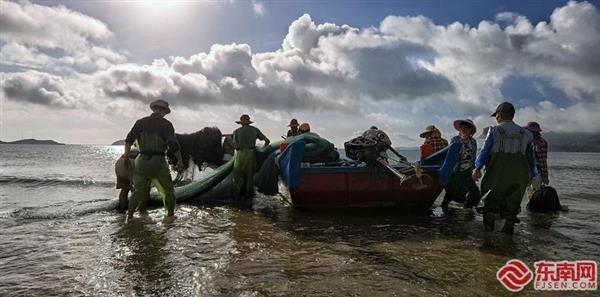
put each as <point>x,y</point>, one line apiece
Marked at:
<point>511,145</point>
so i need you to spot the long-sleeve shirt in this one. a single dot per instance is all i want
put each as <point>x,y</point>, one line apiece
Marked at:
<point>245,137</point>
<point>291,132</point>
<point>436,142</point>
<point>511,145</point>
<point>540,149</point>
<point>467,154</point>
<point>154,124</point>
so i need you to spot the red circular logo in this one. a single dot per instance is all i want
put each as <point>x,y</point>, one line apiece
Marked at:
<point>514,275</point>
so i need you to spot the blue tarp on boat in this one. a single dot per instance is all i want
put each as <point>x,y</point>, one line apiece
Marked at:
<point>289,163</point>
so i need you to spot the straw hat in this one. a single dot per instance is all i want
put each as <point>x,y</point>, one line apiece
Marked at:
<point>244,120</point>
<point>304,127</point>
<point>161,104</point>
<point>428,129</point>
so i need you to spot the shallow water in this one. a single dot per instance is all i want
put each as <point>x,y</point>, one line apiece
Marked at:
<point>58,237</point>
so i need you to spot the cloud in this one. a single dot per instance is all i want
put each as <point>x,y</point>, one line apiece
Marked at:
<point>448,71</point>
<point>319,67</point>
<point>19,55</point>
<point>53,36</point>
<point>478,59</point>
<point>37,88</point>
<point>580,117</point>
<point>401,75</point>
<point>258,8</point>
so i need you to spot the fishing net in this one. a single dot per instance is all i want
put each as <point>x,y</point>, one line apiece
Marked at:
<point>218,185</point>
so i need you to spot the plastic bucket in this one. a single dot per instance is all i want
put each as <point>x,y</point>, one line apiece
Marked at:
<point>283,146</point>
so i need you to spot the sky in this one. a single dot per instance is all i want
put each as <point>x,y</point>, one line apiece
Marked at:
<point>82,72</point>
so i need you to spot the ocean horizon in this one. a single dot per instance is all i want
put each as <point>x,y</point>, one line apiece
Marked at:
<point>61,236</point>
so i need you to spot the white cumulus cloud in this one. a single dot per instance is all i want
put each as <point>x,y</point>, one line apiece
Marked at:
<point>53,37</point>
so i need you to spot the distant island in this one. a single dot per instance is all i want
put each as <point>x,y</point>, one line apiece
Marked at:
<point>33,141</point>
<point>119,142</point>
<point>572,142</point>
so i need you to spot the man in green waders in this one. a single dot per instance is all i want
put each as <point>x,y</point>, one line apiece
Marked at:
<point>244,163</point>
<point>508,158</point>
<point>153,134</point>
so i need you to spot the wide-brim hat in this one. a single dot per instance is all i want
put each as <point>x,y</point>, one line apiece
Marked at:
<point>244,119</point>
<point>293,123</point>
<point>469,122</point>
<point>305,127</point>
<point>428,129</point>
<point>533,127</point>
<point>160,103</point>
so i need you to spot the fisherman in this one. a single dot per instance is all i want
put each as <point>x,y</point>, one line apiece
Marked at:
<point>293,128</point>
<point>542,198</point>
<point>244,164</point>
<point>433,141</point>
<point>125,178</point>
<point>304,128</point>
<point>228,149</point>
<point>153,134</point>
<point>507,155</point>
<point>540,150</point>
<point>461,187</point>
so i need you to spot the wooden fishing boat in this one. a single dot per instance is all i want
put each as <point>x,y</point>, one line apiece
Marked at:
<point>359,186</point>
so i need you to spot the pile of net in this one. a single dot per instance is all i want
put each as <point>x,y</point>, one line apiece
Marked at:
<point>218,185</point>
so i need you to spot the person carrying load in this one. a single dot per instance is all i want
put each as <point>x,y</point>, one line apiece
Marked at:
<point>154,135</point>
<point>540,152</point>
<point>461,187</point>
<point>542,197</point>
<point>244,164</point>
<point>507,155</point>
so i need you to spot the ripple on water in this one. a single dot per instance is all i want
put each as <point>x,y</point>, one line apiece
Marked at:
<point>273,250</point>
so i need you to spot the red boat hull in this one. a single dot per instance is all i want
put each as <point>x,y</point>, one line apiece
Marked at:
<point>360,189</point>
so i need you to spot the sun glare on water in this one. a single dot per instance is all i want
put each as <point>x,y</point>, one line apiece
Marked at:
<point>159,4</point>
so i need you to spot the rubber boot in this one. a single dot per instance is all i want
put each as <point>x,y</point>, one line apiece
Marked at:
<point>488,221</point>
<point>445,202</point>
<point>509,226</point>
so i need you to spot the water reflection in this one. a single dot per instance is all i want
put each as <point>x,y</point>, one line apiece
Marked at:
<point>542,220</point>
<point>141,248</point>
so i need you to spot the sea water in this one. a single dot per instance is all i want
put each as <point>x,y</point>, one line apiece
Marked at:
<point>59,236</point>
